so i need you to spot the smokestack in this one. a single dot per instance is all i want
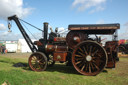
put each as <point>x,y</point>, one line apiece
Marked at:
<point>45,32</point>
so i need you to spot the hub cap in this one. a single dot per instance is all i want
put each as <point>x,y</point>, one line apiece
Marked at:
<point>88,58</point>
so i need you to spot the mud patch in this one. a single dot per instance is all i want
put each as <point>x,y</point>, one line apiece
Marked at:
<point>20,65</point>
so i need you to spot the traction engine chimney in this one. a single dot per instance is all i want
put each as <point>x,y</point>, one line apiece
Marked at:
<point>45,32</point>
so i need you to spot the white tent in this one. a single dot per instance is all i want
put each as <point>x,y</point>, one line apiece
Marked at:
<point>23,46</point>
<point>11,46</point>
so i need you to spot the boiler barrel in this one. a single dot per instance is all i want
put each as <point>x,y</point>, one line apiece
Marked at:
<point>54,48</point>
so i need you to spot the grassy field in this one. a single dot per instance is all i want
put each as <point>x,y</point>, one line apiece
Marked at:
<point>59,74</point>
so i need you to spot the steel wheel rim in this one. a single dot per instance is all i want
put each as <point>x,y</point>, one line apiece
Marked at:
<point>37,62</point>
<point>89,58</point>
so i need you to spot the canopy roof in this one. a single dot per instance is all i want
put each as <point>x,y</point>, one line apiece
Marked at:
<point>96,28</point>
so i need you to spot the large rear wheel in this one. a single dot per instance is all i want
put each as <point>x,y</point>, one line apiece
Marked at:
<point>37,61</point>
<point>89,58</point>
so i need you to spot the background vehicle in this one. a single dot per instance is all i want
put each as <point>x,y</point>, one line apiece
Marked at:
<point>123,48</point>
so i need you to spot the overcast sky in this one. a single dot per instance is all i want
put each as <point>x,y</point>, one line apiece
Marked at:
<point>61,13</point>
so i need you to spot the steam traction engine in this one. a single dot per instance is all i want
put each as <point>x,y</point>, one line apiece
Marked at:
<point>87,55</point>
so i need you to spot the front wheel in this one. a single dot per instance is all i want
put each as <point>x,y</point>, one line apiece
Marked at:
<point>37,61</point>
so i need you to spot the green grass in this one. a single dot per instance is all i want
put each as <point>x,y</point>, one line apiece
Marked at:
<point>59,74</point>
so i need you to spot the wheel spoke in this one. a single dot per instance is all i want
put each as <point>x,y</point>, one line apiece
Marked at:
<point>93,60</point>
<point>99,55</point>
<point>78,62</point>
<point>34,58</point>
<point>94,53</point>
<point>90,50</point>
<point>40,59</point>
<point>42,63</point>
<point>94,48</point>
<point>86,67</point>
<point>96,66</point>
<point>97,58</point>
<point>35,65</point>
<point>50,60</point>
<point>78,59</point>
<point>85,51</point>
<point>81,53</point>
<point>83,67</point>
<point>89,68</point>
<point>78,55</point>
<point>33,62</point>
<point>81,50</point>
<point>39,66</point>
<point>81,64</point>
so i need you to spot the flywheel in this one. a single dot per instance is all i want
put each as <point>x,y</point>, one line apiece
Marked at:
<point>75,37</point>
